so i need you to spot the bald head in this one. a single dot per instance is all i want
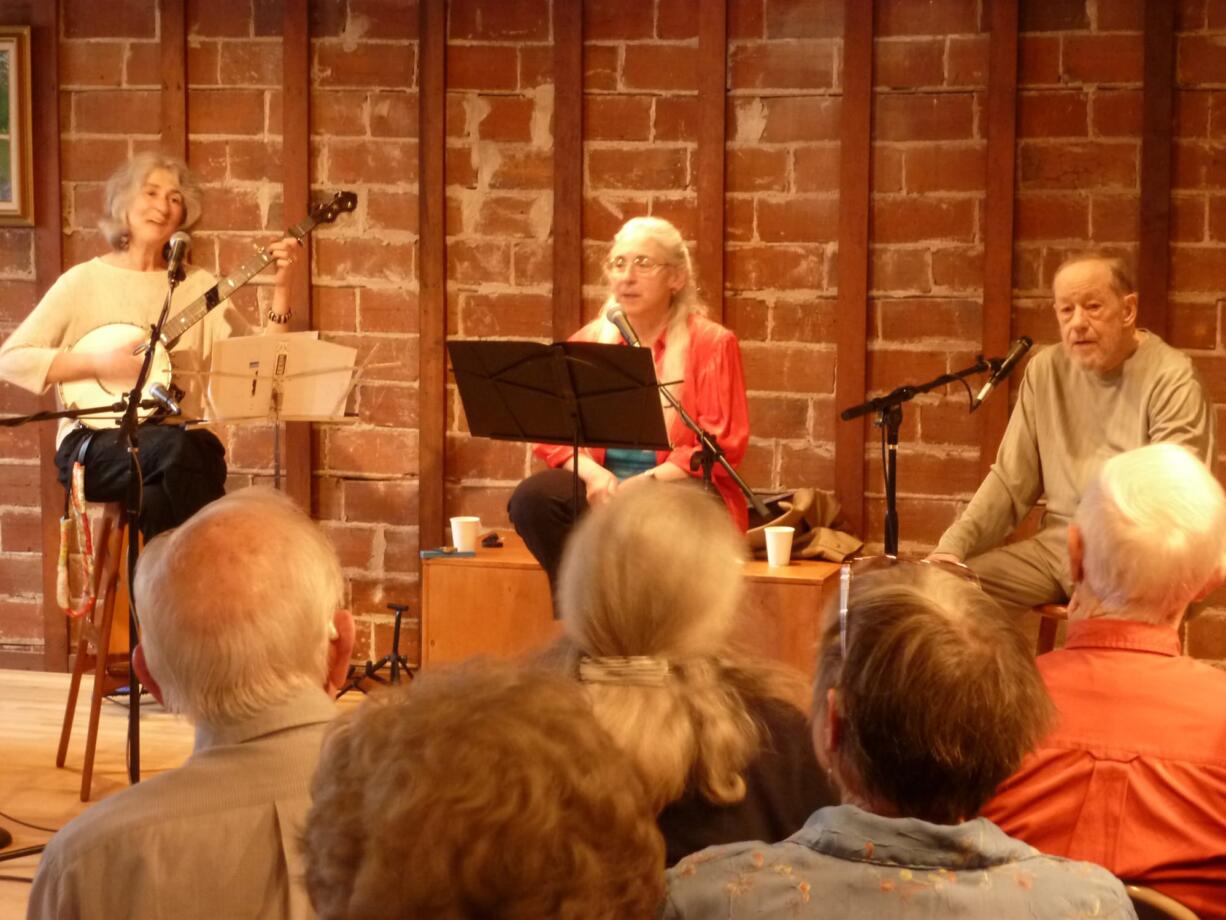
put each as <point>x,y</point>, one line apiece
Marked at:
<point>237,606</point>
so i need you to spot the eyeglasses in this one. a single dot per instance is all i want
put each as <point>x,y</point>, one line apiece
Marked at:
<point>866,564</point>
<point>644,265</point>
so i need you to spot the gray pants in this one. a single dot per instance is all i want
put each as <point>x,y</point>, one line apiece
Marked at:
<point>1029,572</point>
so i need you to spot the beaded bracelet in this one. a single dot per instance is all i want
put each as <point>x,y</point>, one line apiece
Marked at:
<point>280,318</point>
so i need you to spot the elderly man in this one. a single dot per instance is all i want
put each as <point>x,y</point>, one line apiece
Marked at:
<point>242,632</point>
<point>1108,388</point>
<point>1134,775</point>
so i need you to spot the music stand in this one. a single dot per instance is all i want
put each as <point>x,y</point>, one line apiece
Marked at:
<point>579,393</point>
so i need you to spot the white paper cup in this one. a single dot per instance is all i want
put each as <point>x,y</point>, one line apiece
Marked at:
<point>779,545</point>
<point>464,533</point>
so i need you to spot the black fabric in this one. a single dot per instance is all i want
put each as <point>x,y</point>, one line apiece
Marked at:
<point>542,510</point>
<point>183,470</point>
<point>784,786</point>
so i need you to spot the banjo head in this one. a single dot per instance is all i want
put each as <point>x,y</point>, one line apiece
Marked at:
<point>83,394</point>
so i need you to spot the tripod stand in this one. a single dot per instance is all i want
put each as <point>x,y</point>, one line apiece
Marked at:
<point>393,660</point>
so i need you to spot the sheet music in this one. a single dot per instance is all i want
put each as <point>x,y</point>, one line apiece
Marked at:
<point>291,377</point>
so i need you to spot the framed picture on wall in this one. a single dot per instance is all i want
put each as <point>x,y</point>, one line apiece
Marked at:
<point>16,149</point>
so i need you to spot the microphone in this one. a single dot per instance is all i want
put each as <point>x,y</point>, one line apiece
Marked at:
<point>176,252</point>
<point>162,396</point>
<point>1010,361</point>
<point>617,316</point>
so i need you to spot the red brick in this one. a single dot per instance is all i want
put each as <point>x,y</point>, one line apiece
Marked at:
<point>1187,219</point>
<point>804,19</point>
<point>345,259</point>
<point>661,67</point>
<point>459,167</point>
<point>774,267</point>
<point>1103,58</point>
<point>497,20</point>
<point>926,17</point>
<point>748,317</point>
<point>143,64</point>
<point>806,321</point>
<point>801,118</point>
<point>921,521</point>
<point>1115,219</point>
<point>746,19</point>
<point>1200,59</point>
<point>362,161</point>
<point>1192,325</point>
<point>481,67</point>
<point>948,422</point>
<point>1053,114</point>
<point>230,209</point>
<point>1190,15</point>
<point>778,416</point>
<point>913,319</point>
<point>22,443</point>
<point>116,111</point>
<point>650,168</point>
<point>16,251</point>
<point>91,63</point>
<point>603,217</point>
<point>389,406</point>
<point>254,160</point>
<point>600,67</point>
<point>777,65</point>
<point>958,268</point>
<point>516,315</point>
<point>1038,59</point>
<point>371,451</point>
<point>22,620</point>
<point>531,263</point>
<point>482,458</point>
<point>923,117</point>
<point>967,61</point>
<point>887,169</point>
<point>1117,114</point>
<point>909,63</point>
<point>387,19</point>
<point>335,309</point>
<point>508,215</point>
<point>801,467</point>
<point>507,118</point>
<point>1041,217</point>
<point>477,261</point>
<point>373,64</point>
<point>756,169</point>
<point>758,465</point>
<point>1054,16</point>
<point>387,310</point>
<point>1122,16</point>
<point>19,484</point>
<point>1192,113</point>
<point>798,220</point>
<point>816,168</point>
<point>945,168</point>
<point>225,111</point>
<point>535,66</point>
<point>250,63</point>
<point>203,62</point>
<point>388,210</point>
<point>1195,165</point>
<point>679,210</point>
<point>121,19</point>
<point>677,19</point>
<point>523,169</point>
<point>616,118</point>
<point>338,112</point>
<point>618,20</point>
<point>90,159</point>
<point>895,269</point>
<point>1078,166</point>
<point>912,219</point>
<point>788,368</point>
<point>676,119</point>
<point>393,114</point>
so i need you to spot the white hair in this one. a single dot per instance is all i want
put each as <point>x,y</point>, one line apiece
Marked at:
<point>126,181</point>
<point>236,606</point>
<point>1153,525</point>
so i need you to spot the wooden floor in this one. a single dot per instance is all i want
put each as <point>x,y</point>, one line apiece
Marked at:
<point>32,789</point>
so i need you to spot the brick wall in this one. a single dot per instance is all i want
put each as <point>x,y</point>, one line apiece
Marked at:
<point>1077,183</point>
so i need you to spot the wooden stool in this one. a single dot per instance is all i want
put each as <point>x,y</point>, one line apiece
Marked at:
<point>110,668</point>
<point>1050,618</point>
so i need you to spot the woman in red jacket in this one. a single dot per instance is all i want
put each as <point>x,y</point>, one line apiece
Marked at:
<point>650,276</point>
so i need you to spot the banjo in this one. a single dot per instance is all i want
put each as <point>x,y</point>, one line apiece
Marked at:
<point>76,394</point>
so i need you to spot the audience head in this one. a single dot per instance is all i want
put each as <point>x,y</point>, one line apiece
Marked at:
<point>1148,537</point>
<point>935,701</point>
<point>483,790</point>
<point>125,184</point>
<point>1096,308</point>
<point>240,609</point>
<point>649,589</point>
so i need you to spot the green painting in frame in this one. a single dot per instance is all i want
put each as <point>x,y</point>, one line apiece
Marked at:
<point>16,159</point>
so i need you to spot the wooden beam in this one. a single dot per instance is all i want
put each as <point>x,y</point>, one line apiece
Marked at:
<point>712,114</point>
<point>432,272</point>
<point>174,77</point>
<point>1154,254</point>
<point>567,168</point>
<point>296,196</point>
<point>998,208</point>
<point>48,263</point>
<point>851,327</point>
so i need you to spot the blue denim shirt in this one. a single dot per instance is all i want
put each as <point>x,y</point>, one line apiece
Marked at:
<point>847,863</point>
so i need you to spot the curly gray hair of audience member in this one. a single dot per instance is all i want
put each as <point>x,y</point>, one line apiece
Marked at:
<point>126,182</point>
<point>481,790</point>
<point>236,606</point>
<point>1153,531</point>
<point>656,575</point>
<point>938,698</point>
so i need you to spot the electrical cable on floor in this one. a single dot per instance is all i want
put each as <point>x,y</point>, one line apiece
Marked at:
<point>17,878</point>
<point>38,827</point>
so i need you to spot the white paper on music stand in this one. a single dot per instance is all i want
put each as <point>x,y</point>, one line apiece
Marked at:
<point>290,377</point>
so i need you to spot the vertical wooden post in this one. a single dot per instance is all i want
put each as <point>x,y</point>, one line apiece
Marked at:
<point>174,77</point>
<point>1154,255</point>
<point>567,168</point>
<point>432,272</point>
<point>851,331</point>
<point>712,102</point>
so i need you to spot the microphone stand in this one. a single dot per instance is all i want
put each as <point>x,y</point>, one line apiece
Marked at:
<point>889,418</point>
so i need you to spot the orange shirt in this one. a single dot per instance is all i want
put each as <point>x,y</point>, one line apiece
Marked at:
<point>1134,776</point>
<point>713,394</point>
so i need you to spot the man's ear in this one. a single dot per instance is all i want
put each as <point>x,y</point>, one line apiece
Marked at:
<point>1076,553</point>
<point>340,651</point>
<point>1130,309</point>
<point>142,673</point>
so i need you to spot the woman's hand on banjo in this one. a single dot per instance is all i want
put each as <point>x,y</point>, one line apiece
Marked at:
<point>117,366</point>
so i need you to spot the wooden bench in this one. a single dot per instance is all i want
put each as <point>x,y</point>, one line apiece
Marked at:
<point>497,603</point>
